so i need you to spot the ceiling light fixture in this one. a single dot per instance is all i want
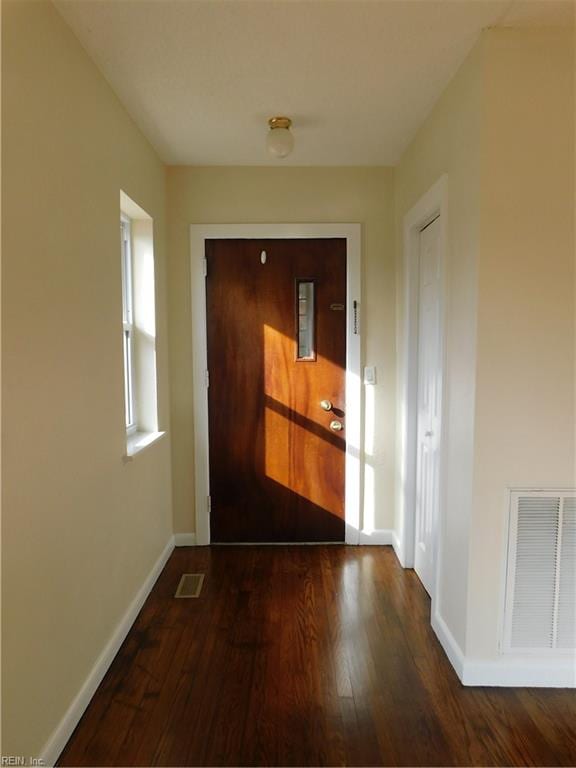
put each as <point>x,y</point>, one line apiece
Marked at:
<point>280,141</point>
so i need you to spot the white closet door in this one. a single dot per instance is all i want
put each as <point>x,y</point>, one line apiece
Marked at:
<point>429,401</point>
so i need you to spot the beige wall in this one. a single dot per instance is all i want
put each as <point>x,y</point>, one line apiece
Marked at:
<point>449,143</point>
<point>81,529</point>
<point>275,195</point>
<point>525,354</point>
<point>503,132</point>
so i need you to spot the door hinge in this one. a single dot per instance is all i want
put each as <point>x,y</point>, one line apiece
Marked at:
<point>209,503</point>
<point>207,378</point>
<point>205,267</point>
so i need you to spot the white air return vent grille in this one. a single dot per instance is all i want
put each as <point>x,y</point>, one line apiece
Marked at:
<point>540,611</point>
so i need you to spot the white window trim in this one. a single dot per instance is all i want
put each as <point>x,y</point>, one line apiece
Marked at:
<point>138,437</point>
<point>137,442</point>
<point>199,233</point>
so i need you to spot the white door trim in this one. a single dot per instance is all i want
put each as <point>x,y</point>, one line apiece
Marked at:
<point>199,233</point>
<point>434,203</point>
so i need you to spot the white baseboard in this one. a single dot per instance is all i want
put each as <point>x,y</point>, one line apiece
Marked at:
<point>184,539</point>
<point>398,549</point>
<point>60,736</point>
<point>521,672</point>
<point>381,536</point>
<point>448,642</point>
<point>507,671</point>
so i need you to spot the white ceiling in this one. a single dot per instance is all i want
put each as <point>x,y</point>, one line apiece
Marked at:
<point>201,77</point>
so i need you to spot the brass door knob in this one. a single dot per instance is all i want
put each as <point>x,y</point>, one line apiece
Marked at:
<point>336,426</point>
<point>326,405</point>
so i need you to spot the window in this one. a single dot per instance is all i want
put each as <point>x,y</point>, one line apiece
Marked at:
<point>128,324</point>
<point>138,326</point>
<point>305,320</point>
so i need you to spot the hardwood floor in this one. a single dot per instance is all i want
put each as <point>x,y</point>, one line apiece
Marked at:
<point>305,656</point>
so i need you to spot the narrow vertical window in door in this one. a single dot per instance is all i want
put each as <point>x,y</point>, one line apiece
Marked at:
<point>276,356</point>
<point>428,405</point>
<point>305,319</point>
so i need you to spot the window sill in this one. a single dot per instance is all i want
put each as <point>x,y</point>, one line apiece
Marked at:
<point>139,441</point>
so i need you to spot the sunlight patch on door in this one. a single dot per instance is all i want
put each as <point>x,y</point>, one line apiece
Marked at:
<point>281,433</point>
<point>278,348</point>
<point>308,471</point>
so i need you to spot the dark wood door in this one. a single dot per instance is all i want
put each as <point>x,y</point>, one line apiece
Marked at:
<point>276,348</point>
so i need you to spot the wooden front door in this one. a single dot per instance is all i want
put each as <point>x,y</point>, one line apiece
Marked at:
<point>276,322</point>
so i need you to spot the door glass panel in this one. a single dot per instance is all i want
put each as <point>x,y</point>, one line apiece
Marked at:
<point>305,319</point>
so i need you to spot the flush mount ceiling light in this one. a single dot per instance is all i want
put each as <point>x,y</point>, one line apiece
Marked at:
<point>280,141</point>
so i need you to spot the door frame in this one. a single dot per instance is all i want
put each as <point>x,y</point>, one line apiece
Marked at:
<point>432,204</point>
<point>351,233</point>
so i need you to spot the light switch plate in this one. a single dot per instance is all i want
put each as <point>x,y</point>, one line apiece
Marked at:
<point>370,374</point>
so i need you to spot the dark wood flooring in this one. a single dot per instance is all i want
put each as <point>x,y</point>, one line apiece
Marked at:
<point>305,656</point>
